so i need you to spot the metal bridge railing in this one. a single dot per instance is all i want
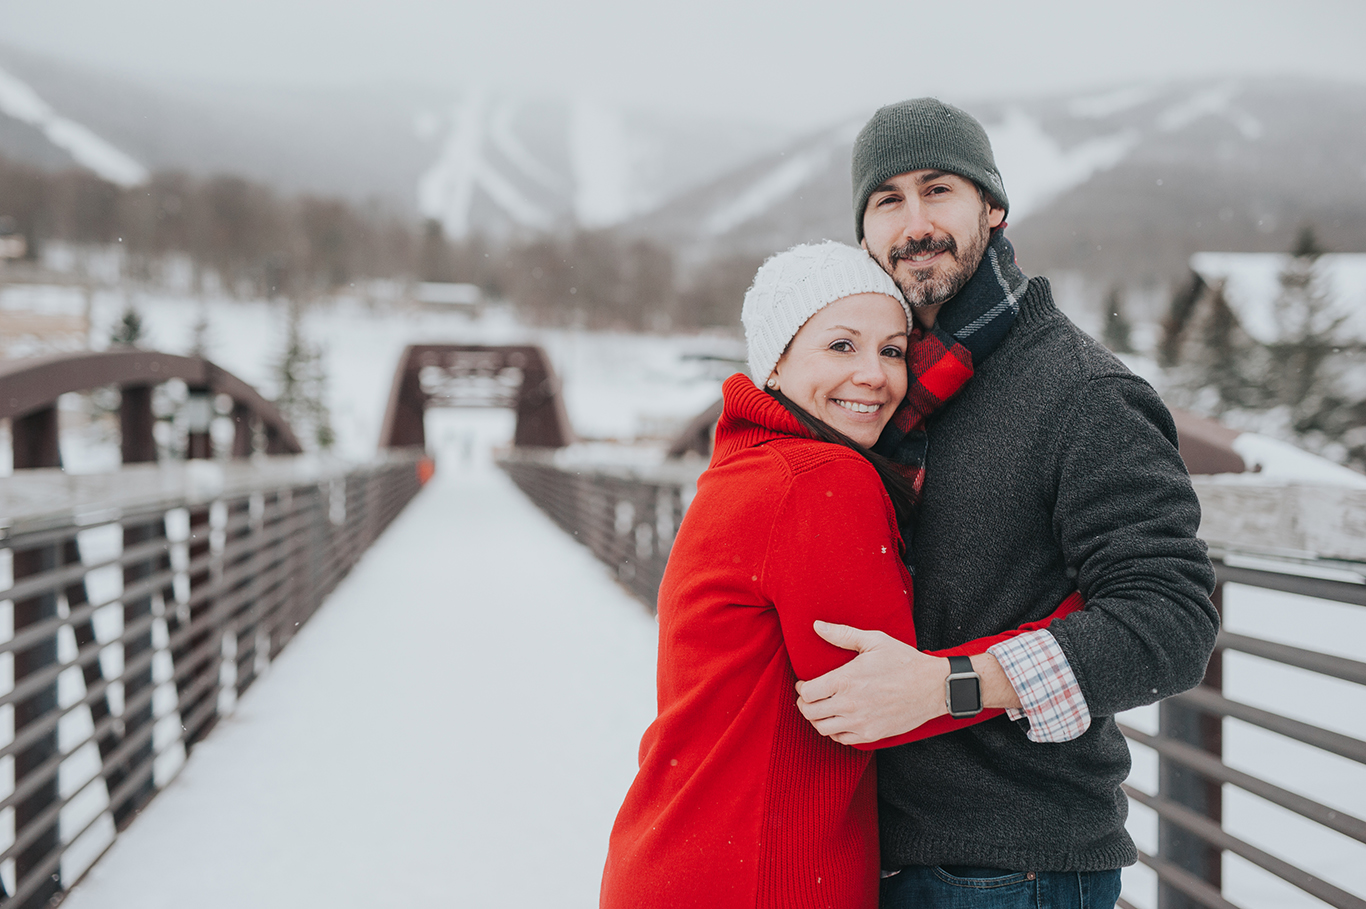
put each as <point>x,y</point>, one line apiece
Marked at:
<point>627,517</point>
<point>140,605</point>
<point>1305,540</point>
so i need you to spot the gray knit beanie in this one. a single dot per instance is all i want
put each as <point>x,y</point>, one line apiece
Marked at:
<point>921,134</point>
<point>793,286</point>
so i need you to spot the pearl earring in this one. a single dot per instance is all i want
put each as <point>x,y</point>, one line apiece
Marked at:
<point>772,382</point>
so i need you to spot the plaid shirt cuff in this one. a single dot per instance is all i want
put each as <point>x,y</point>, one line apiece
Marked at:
<point>1050,698</point>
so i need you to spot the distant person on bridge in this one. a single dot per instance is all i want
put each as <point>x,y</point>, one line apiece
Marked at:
<point>1056,469</point>
<point>739,802</point>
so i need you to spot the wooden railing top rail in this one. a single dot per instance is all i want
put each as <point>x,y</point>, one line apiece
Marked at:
<point>35,500</point>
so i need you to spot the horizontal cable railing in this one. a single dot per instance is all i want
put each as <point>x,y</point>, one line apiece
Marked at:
<point>136,607</point>
<point>1294,539</point>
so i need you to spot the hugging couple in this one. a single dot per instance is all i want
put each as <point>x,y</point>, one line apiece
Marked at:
<point>832,733</point>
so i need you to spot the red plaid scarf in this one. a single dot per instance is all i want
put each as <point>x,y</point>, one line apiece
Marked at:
<point>941,359</point>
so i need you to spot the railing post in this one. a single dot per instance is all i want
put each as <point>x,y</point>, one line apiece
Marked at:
<point>1190,789</point>
<point>136,420</point>
<point>34,440</point>
<point>35,443</point>
<point>127,792</point>
<point>243,432</point>
<point>192,667</point>
<point>37,809</point>
<point>84,631</point>
<point>199,412</point>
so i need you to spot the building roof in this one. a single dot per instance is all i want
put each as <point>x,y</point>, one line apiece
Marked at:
<point>1252,286</point>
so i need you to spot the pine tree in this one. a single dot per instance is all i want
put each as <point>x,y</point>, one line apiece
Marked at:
<point>1308,326</point>
<point>1230,361</point>
<point>128,330</point>
<point>1117,332</point>
<point>1178,315</point>
<point>199,338</point>
<point>302,380</point>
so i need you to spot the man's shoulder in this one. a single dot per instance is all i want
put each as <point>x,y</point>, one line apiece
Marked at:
<point>1049,374</point>
<point>1046,341</point>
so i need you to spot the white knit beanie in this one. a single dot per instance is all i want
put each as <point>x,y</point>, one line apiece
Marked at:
<point>793,286</point>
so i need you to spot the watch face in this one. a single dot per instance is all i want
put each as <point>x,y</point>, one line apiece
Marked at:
<point>965,695</point>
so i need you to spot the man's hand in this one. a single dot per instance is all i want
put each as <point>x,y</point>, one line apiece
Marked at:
<point>888,689</point>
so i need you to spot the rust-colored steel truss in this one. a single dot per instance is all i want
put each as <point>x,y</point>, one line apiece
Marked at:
<point>476,375</point>
<point>29,390</point>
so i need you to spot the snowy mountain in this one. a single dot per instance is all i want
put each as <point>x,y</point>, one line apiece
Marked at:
<point>506,163</point>
<point>476,161</point>
<point>21,105</point>
<point>1121,186</point>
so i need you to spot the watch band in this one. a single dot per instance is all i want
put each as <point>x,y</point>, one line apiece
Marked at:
<point>962,688</point>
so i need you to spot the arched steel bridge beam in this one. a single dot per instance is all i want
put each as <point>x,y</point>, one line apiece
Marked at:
<point>29,390</point>
<point>518,376</point>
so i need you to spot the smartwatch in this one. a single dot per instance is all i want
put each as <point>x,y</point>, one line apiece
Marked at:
<point>963,688</point>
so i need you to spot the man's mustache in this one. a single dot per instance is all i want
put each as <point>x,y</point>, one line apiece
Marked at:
<point>920,247</point>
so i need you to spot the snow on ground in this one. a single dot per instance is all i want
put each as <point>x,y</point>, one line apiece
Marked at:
<point>1109,103</point>
<point>456,726</point>
<point>1277,461</point>
<point>1211,102</point>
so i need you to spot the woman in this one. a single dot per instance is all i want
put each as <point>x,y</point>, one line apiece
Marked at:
<point>739,801</point>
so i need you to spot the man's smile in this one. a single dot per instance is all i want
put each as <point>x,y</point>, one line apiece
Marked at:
<point>919,253</point>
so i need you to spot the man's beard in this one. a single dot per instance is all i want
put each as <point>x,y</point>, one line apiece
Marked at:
<point>930,286</point>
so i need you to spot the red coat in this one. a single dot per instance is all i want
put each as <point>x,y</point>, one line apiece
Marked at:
<point>739,802</point>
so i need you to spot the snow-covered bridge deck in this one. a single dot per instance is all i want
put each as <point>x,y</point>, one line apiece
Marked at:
<point>456,726</point>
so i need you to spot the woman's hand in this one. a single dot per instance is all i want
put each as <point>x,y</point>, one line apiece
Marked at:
<point>888,689</point>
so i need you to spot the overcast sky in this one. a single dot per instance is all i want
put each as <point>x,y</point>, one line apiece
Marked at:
<point>796,62</point>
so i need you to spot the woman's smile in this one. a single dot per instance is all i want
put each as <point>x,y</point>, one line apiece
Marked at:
<point>847,365</point>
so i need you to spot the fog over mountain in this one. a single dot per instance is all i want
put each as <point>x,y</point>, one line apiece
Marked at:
<point>478,161</point>
<point>1119,186</point>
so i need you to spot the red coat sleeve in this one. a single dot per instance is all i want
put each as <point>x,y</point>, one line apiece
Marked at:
<point>833,555</point>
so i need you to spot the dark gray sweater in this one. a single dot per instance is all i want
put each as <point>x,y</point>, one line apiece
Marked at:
<point>1055,469</point>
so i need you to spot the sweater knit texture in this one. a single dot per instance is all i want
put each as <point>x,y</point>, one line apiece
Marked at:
<point>1055,469</point>
<point>739,802</point>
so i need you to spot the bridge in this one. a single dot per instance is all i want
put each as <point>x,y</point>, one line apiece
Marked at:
<point>447,689</point>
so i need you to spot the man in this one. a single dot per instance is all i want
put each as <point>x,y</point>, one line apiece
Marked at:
<point>1054,470</point>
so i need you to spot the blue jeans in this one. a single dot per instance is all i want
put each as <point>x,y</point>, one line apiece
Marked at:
<point>918,887</point>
